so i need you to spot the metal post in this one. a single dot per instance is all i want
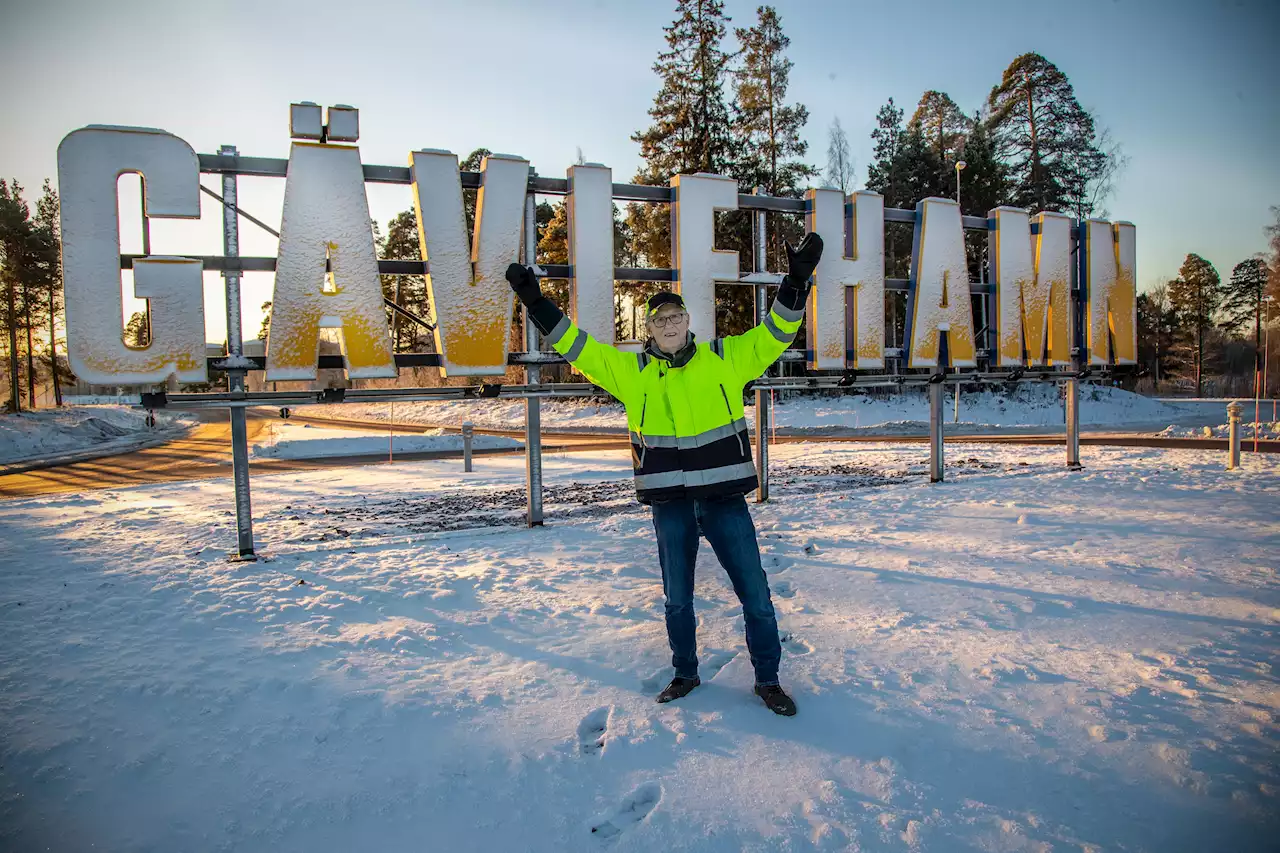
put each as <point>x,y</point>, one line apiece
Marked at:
<point>1233,435</point>
<point>235,377</point>
<point>935,431</point>
<point>956,417</point>
<point>468,430</point>
<point>762,397</point>
<point>533,376</point>
<point>1072,400</point>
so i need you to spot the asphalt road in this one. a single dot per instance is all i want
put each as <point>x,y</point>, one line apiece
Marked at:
<point>205,452</point>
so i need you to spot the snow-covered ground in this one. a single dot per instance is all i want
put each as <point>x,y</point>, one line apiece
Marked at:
<point>286,440</point>
<point>51,432</point>
<point>1019,659</point>
<point>1029,406</point>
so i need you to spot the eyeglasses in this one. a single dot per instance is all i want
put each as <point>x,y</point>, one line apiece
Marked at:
<point>668,319</point>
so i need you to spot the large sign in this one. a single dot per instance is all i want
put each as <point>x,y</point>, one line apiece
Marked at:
<point>327,269</point>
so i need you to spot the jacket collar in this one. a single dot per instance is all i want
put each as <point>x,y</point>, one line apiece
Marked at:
<point>682,356</point>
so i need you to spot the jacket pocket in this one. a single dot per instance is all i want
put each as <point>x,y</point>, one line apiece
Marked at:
<point>725,394</point>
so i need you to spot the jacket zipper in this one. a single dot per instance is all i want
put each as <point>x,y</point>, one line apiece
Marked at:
<point>723,393</point>
<point>640,431</point>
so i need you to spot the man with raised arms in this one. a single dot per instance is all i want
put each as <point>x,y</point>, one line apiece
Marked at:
<point>691,450</point>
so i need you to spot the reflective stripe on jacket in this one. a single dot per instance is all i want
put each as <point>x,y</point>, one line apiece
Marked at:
<point>688,427</point>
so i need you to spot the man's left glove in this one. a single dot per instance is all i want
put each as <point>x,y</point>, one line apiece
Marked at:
<point>803,260</point>
<point>524,283</point>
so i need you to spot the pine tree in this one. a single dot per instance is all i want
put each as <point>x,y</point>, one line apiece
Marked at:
<point>888,137</point>
<point>984,184</point>
<point>407,291</point>
<point>840,166</point>
<point>1157,322</point>
<point>944,127</point>
<point>1196,295</point>
<point>1242,302</point>
<point>1045,136</point>
<point>18,268</point>
<point>768,153</point>
<point>47,255</point>
<point>690,130</point>
<point>137,332</point>
<point>766,129</point>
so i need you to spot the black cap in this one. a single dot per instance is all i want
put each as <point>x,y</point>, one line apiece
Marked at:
<point>656,301</point>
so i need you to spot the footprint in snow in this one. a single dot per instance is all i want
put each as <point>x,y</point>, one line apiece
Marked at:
<point>784,589</point>
<point>592,730</point>
<point>716,662</point>
<point>795,645</point>
<point>633,809</point>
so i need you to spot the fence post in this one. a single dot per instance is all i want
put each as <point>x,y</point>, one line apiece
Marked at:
<point>1233,435</point>
<point>936,389</point>
<point>468,430</point>
<point>1072,394</point>
<point>533,376</point>
<point>235,376</point>
<point>762,396</point>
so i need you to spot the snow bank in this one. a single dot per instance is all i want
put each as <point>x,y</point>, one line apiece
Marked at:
<point>303,441</point>
<point>1267,431</point>
<point>1019,659</point>
<point>47,432</point>
<point>1028,405</point>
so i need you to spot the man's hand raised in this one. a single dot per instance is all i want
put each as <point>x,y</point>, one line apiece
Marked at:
<point>525,284</point>
<point>803,259</point>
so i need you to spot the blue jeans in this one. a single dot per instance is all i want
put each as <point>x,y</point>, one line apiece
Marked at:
<point>726,522</point>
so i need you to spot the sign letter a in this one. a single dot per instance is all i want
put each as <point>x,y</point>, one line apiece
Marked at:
<point>326,224</point>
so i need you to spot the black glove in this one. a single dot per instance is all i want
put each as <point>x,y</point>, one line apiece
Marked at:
<point>524,283</point>
<point>803,260</point>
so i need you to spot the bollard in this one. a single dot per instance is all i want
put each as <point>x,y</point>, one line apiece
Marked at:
<point>468,429</point>
<point>1233,431</point>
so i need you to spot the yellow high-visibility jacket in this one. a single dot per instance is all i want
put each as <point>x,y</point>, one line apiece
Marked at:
<point>684,412</point>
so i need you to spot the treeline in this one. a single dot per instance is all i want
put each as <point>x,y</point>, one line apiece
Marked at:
<point>722,107</point>
<point>1202,332</point>
<point>30,293</point>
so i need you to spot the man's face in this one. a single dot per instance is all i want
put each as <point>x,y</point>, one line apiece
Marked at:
<point>669,328</point>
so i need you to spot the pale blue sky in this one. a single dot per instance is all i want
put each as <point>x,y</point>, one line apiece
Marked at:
<point>1189,89</point>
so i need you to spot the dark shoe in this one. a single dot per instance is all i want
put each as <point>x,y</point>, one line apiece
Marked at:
<point>679,688</point>
<point>776,699</point>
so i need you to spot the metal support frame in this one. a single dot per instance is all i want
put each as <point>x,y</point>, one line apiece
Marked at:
<point>533,377</point>
<point>936,465</point>
<point>229,164</point>
<point>1071,390</point>
<point>236,376</point>
<point>762,394</point>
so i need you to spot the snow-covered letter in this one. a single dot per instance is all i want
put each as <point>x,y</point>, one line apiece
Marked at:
<point>699,265</point>
<point>90,162</point>
<point>856,272</point>
<point>1108,273</point>
<point>939,290</point>
<point>326,221</point>
<point>1032,275</point>
<point>589,206</point>
<point>466,282</point>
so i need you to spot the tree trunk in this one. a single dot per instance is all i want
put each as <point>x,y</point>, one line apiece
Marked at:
<point>53,351</point>
<point>15,393</point>
<point>31,356</point>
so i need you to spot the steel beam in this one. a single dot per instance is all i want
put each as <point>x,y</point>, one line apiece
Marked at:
<point>236,376</point>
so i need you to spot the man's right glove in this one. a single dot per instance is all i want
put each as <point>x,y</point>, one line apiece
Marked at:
<point>524,283</point>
